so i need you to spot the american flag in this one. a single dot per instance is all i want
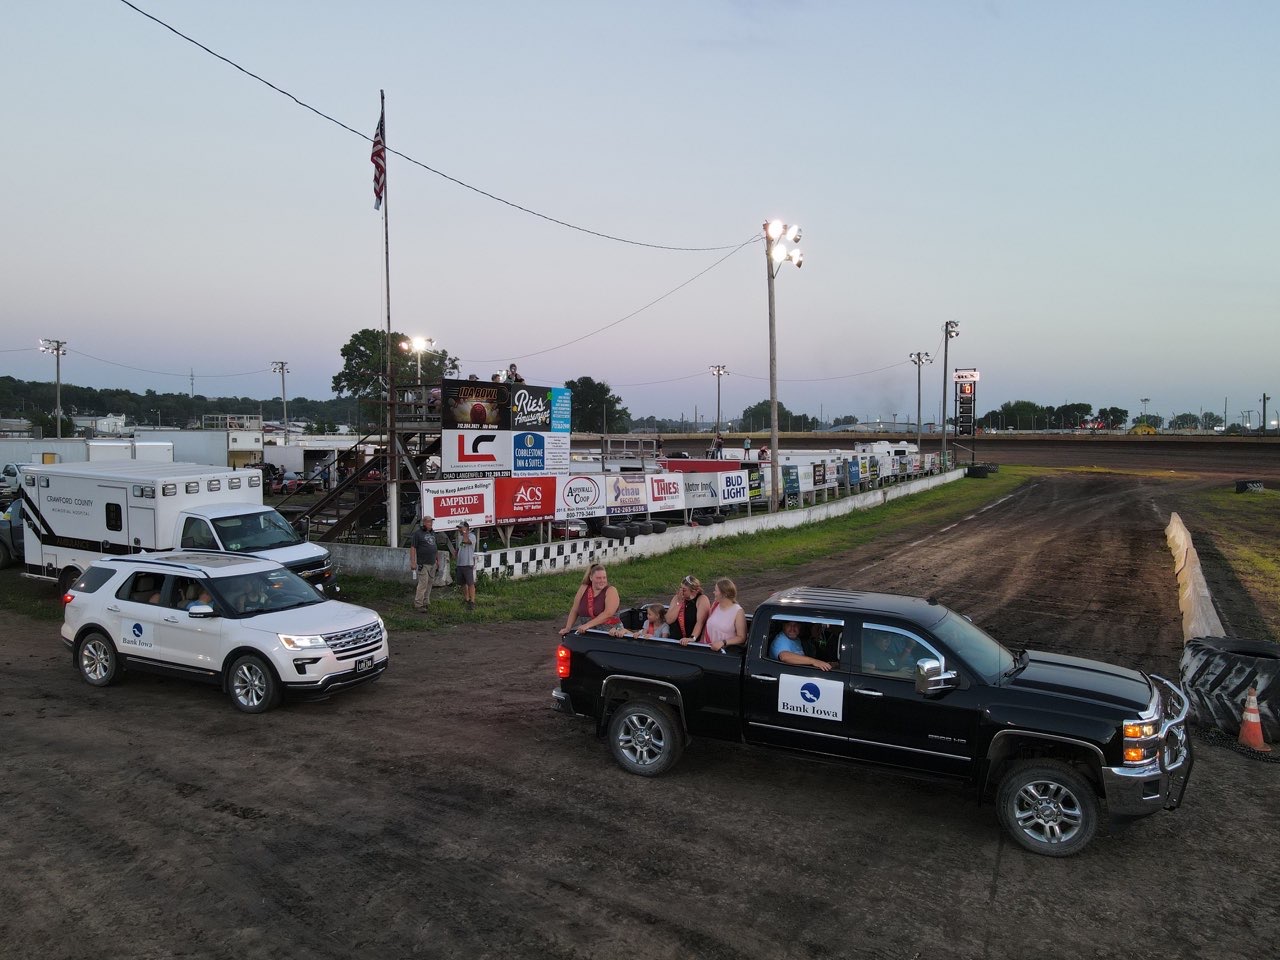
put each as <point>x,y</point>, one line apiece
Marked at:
<point>379,158</point>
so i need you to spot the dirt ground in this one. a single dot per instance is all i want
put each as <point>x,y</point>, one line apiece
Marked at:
<point>446,811</point>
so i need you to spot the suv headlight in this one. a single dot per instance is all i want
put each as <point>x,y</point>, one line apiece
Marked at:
<point>294,642</point>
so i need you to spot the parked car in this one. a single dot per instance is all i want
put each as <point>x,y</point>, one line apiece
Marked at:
<point>569,529</point>
<point>292,482</point>
<point>248,625</point>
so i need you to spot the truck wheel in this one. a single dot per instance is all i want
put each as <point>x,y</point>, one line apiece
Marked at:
<point>67,579</point>
<point>253,687</point>
<point>1047,808</point>
<point>1217,673</point>
<point>646,737</point>
<point>96,660</point>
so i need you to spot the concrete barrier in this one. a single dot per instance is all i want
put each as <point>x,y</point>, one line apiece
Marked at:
<point>393,564</point>
<point>1199,618</point>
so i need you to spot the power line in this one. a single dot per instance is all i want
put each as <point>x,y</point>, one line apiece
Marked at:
<point>633,313</point>
<point>166,373</point>
<point>419,163</point>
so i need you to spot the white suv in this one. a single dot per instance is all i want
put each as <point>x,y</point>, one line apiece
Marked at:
<point>249,625</point>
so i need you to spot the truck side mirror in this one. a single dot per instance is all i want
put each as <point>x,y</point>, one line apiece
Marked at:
<point>931,679</point>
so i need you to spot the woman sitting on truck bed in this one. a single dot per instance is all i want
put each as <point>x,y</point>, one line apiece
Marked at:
<point>688,611</point>
<point>727,624</point>
<point>595,604</point>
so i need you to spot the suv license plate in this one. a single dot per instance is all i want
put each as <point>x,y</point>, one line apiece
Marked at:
<point>363,664</point>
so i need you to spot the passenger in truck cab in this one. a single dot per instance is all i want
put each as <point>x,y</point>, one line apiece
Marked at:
<point>786,647</point>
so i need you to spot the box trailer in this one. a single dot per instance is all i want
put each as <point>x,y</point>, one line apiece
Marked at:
<point>75,513</point>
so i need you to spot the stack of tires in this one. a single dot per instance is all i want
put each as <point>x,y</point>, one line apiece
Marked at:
<point>1217,673</point>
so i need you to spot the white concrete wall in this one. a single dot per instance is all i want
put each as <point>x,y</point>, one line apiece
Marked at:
<point>1199,618</point>
<point>566,555</point>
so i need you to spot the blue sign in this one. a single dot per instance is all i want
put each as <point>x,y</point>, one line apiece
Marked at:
<point>561,409</point>
<point>530,453</point>
<point>810,693</point>
<point>137,629</point>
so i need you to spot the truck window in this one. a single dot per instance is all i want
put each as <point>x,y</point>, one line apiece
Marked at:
<point>817,637</point>
<point>892,651</point>
<point>115,517</point>
<point>256,531</point>
<point>196,535</point>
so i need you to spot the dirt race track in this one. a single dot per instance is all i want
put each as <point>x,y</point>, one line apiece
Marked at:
<point>446,811</point>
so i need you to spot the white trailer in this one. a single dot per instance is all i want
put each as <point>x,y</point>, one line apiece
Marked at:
<point>75,513</point>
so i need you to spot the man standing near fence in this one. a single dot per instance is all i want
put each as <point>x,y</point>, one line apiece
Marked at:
<point>423,553</point>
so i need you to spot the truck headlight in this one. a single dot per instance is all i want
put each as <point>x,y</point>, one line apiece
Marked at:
<point>294,642</point>
<point>1140,742</point>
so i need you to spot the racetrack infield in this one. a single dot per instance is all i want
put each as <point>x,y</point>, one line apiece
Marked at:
<point>446,811</point>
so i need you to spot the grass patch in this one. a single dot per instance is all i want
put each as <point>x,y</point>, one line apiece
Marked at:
<point>654,578</point>
<point>37,599</point>
<point>1244,529</point>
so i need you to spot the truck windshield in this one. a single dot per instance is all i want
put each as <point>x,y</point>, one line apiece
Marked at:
<point>984,654</point>
<point>252,593</point>
<point>251,532</point>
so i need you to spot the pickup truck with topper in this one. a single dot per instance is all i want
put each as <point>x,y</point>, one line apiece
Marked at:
<point>901,684</point>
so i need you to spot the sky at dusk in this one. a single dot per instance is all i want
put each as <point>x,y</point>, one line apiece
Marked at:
<point>1090,189</point>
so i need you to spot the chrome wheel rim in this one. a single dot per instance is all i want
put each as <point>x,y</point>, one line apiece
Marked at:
<point>249,684</point>
<point>95,659</point>
<point>642,739</point>
<point>1048,812</point>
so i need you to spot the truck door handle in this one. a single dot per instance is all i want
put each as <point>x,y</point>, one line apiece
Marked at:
<point>867,693</point>
<point>764,676</point>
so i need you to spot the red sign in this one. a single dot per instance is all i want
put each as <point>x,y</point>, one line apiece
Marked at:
<point>524,499</point>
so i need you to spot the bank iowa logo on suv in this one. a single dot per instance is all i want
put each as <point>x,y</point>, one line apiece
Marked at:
<point>248,625</point>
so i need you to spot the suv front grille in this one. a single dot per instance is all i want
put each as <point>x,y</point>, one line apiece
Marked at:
<point>352,643</point>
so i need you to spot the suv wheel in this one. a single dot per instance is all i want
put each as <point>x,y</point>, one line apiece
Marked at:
<point>645,737</point>
<point>253,687</point>
<point>96,660</point>
<point>1047,808</point>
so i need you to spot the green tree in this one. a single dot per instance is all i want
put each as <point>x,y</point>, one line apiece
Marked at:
<point>596,409</point>
<point>846,421</point>
<point>364,365</point>
<point>1210,420</point>
<point>756,417</point>
<point>1113,417</point>
<point>1185,421</point>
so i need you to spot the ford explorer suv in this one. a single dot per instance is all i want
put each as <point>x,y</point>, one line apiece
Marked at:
<point>251,626</point>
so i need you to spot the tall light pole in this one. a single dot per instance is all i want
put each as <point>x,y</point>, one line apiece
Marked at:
<point>776,237</point>
<point>59,350</point>
<point>950,330</point>
<point>718,370</point>
<point>282,367</point>
<point>919,358</point>
<point>419,346</point>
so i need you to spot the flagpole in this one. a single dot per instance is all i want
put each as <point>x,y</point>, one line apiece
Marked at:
<point>393,461</point>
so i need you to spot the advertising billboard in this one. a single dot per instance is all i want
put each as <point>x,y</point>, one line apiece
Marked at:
<point>469,452</point>
<point>474,405</point>
<point>452,501</point>
<point>666,491</point>
<point>626,493</point>
<point>524,499</point>
<point>580,497</point>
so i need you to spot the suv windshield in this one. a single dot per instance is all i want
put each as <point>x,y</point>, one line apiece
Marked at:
<point>251,593</point>
<point>984,654</point>
<point>256,531</point>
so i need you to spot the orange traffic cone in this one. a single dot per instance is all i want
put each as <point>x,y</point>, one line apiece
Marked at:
<point>1251,724</point>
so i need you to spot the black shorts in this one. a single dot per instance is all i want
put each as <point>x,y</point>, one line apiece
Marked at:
<point>466,575</point>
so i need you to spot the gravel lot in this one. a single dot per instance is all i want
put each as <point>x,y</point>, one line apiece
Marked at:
<point>446,811</point>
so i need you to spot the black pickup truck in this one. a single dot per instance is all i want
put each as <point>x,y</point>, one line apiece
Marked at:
<point>910,686</point>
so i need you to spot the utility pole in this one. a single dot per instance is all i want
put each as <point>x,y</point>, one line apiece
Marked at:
<point>282,367</point>
<point>719,371</point>
<point>950,329</point>
<point>919,359</point>
<point>59,350</point>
